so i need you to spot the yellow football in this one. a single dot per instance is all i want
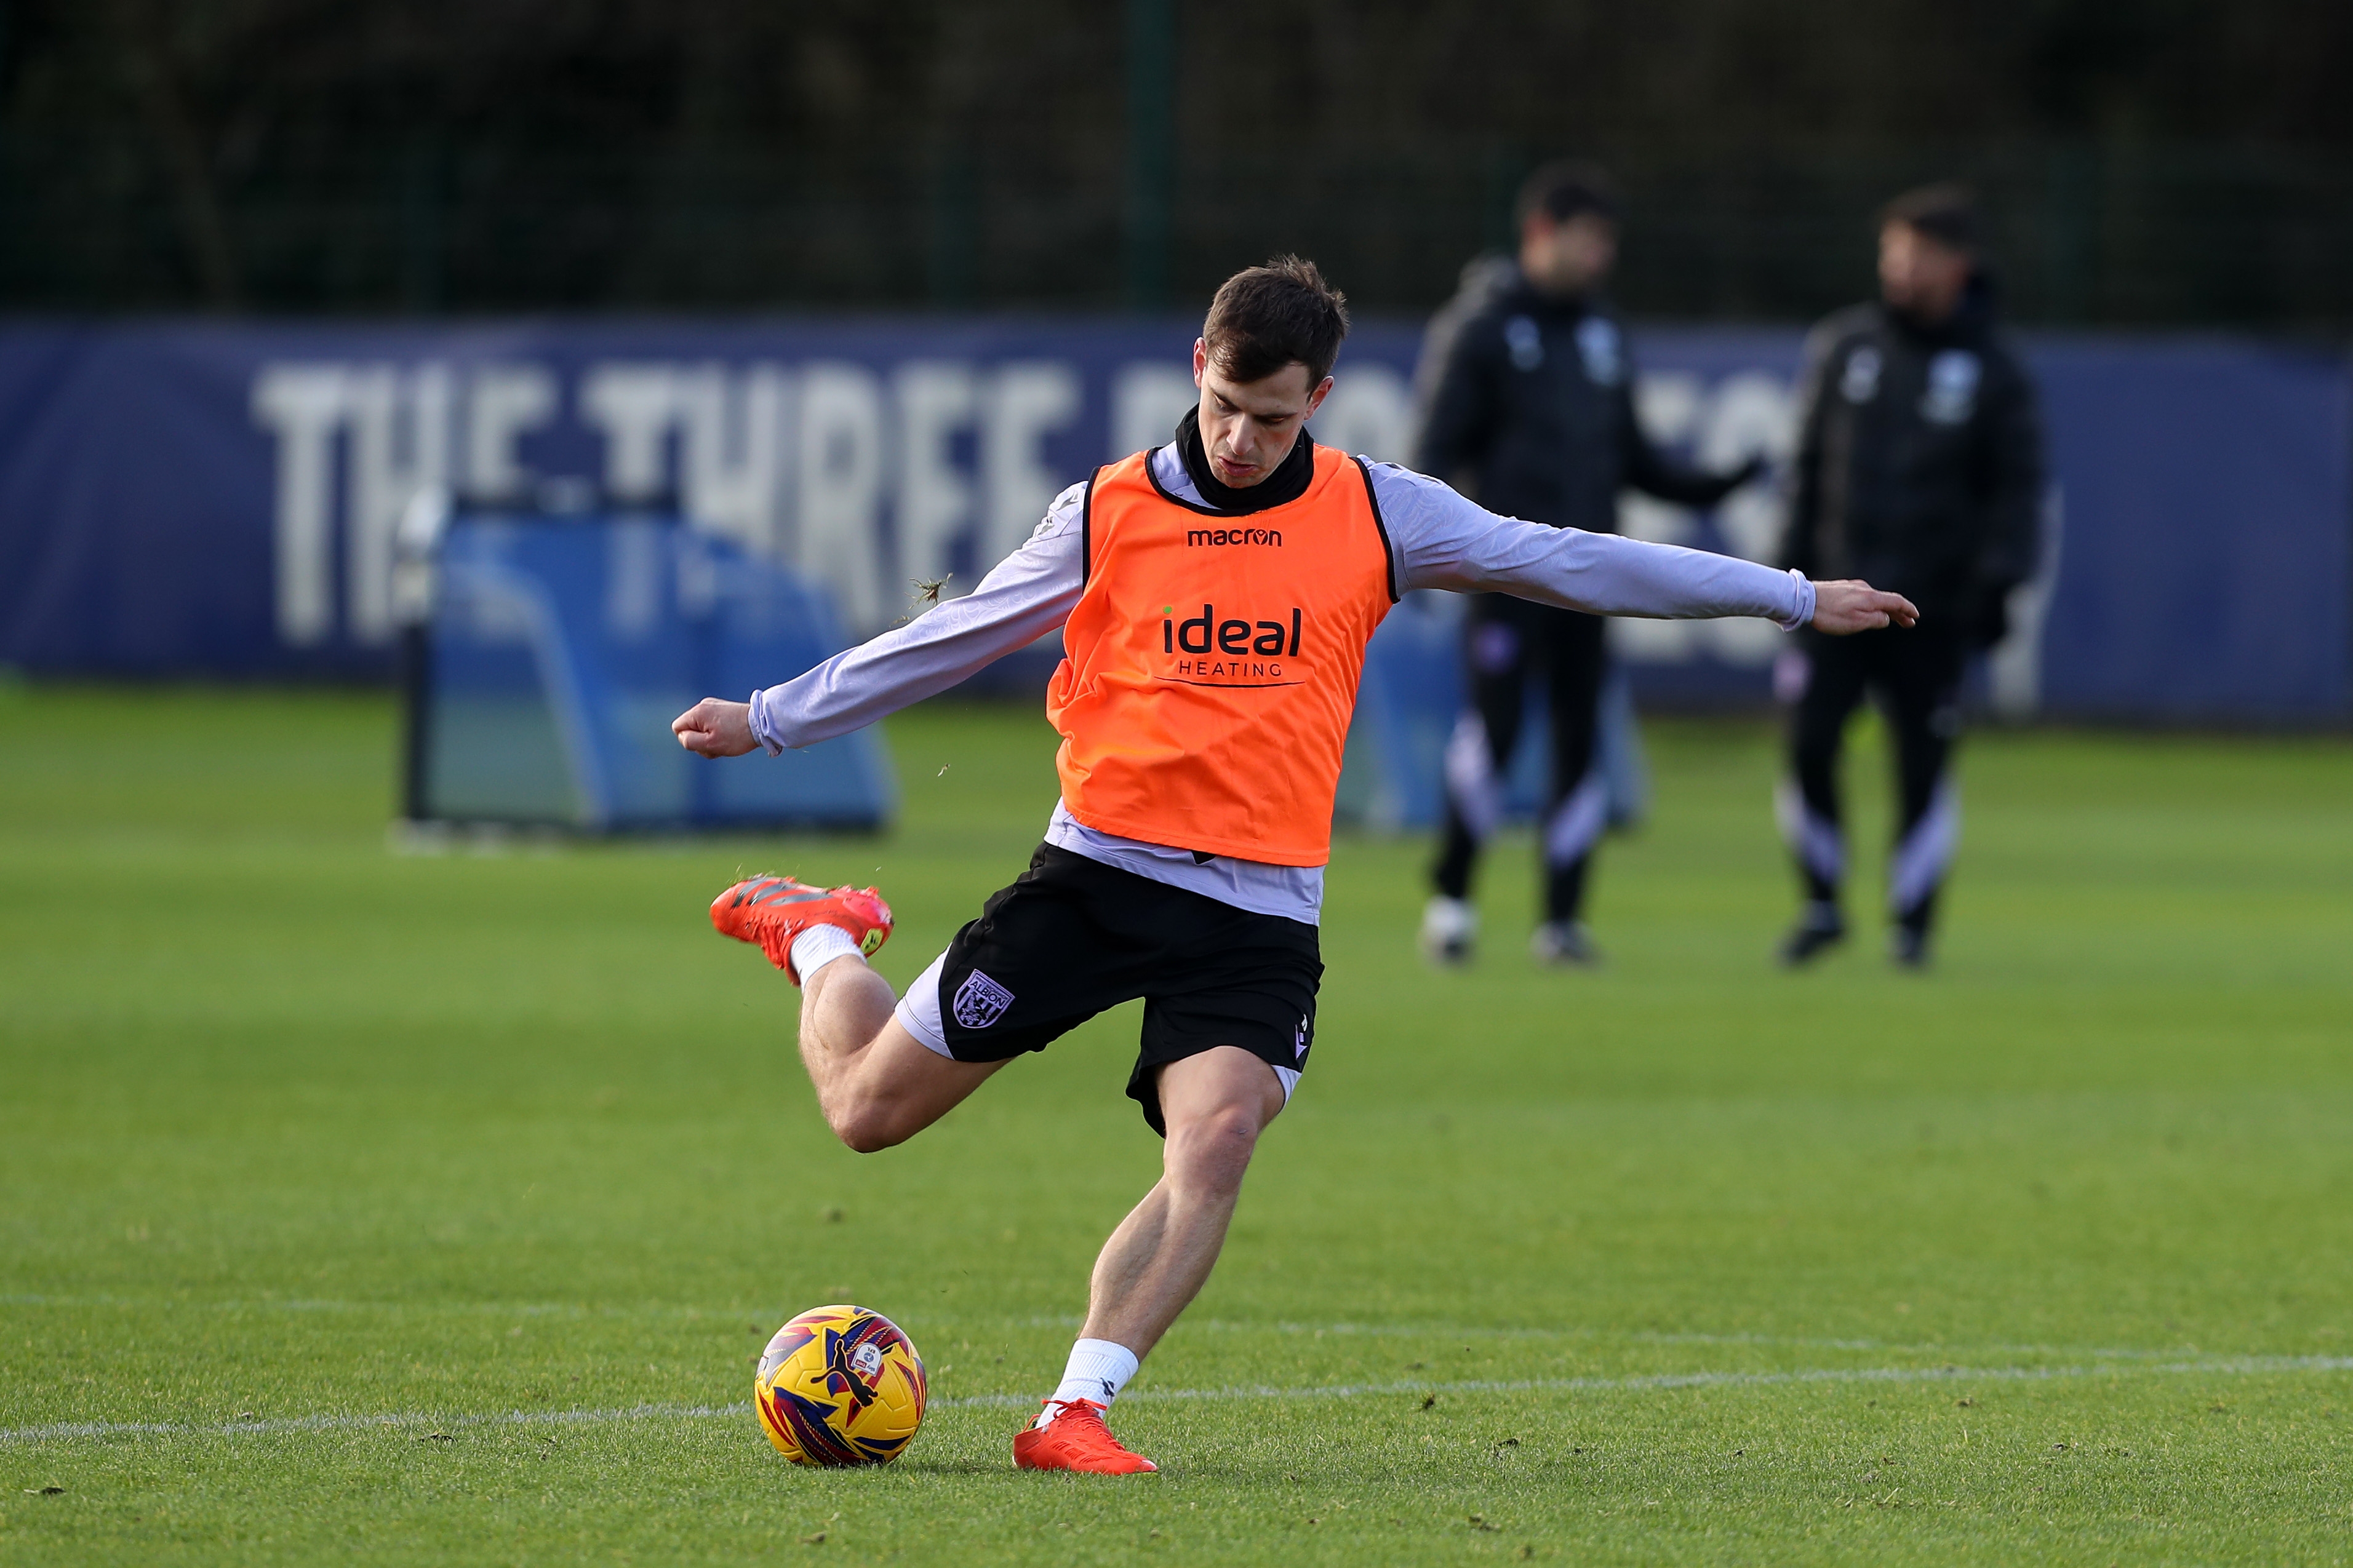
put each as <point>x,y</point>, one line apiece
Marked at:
<point>840,1385</point>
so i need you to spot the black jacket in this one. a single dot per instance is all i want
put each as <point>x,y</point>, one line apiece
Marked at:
<point>1527,406</point>
<point>1919,464</point>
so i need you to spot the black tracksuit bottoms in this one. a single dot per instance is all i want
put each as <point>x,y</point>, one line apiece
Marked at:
<point>1915,675</point>
<point>1507,644</point>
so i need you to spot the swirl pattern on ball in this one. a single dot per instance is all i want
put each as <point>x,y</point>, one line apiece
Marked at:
<point>840,1386</point>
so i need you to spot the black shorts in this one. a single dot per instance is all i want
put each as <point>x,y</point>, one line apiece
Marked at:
<point>1073,937</point>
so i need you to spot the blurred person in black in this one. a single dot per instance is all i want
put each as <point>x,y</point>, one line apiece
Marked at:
<point>1526,389</point>
<point>1920,466</point>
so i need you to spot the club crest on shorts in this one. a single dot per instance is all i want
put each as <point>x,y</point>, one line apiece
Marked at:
<point>980,1001</point>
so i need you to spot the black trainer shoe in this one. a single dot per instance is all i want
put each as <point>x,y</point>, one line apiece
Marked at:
<point>1819,930</point>
<point>1566,943</point>
<point>1908,947</point>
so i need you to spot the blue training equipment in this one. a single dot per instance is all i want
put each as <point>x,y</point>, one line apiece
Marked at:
<point>552,653</point>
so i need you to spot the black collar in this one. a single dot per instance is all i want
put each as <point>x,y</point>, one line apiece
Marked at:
<point>1287,483</point>
<point>1524,297</point>
<point>1972,315</point>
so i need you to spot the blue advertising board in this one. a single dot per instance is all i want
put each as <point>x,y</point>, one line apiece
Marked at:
<point>552,654</point>
<point>220,498</point>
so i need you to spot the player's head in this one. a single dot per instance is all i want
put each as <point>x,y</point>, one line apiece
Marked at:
<point>1263,363</point>
<point>1929,243</point>
<point>1568,228</point>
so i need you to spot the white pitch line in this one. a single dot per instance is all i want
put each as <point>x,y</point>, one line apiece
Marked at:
<point>2240,1366</point>
<point>67,1430</point>
<point>1440,1332</point>
<point>301,1304</point>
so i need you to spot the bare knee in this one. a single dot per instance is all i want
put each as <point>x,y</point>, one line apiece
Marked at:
<point>1213,1150</point>
<point>867,1123</point>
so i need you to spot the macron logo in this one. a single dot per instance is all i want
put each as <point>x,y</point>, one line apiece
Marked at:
<point>1225,536</point>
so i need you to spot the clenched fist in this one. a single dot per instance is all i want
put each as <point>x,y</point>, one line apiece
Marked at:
<point>715,728</point>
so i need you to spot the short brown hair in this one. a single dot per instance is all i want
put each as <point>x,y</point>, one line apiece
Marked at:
<point>1946,213</point>
<point>1268,317</point>
<point>1560,191</point>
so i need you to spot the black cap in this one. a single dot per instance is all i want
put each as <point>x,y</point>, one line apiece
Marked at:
<point>1561,191</point>
<point>1946,213</point>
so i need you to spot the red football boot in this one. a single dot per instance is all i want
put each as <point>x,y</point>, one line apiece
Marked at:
<point>771,910</point>
<point>1076,1439</point>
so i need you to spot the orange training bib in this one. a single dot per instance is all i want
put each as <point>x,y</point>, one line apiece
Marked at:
<point>1212,662</point>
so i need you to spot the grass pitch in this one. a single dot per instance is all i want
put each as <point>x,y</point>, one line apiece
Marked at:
<point>357,1206</point>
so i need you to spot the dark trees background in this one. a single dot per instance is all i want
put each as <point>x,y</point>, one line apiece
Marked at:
<point>2147,161</point>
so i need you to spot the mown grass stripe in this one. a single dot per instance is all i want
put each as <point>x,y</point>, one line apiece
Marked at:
<point>2237,1366</point>
<point>1435,1331</point>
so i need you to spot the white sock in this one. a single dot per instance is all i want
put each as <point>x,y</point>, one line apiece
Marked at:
<point>1098,1370</point>
<point>819,946</point>
<point>1447,917</point>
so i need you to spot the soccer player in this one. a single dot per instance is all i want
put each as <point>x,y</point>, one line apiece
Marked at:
<point>1919,464</point>
<point>1214,596</point>
<point>1528,407</point>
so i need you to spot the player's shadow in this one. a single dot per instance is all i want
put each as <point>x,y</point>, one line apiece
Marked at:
<point>998,1467</point>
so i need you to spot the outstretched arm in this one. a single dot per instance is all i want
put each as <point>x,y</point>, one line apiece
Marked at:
<point>1445,542</point>
<point>1029,595</point>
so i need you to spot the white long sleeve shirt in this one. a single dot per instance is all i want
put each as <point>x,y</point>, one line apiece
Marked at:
<point>1440,539</point>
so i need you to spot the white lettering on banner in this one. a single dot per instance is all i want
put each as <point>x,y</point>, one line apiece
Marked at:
<point>935,400</point>
<point>637,407</point>
<point>838,463</point>
<point>395,425</point>
<point>798,461</point>
<point>1721,427</point>
<point>734,451</point>
<point>797,466</point>
<point>1369,413</point>
<point>801,462</point>
<point>1146,397</point>
<point>1027,400</point>
<point>506,400</point>
<point>303,406</point>
<point>401,426</point>
<point>730,430</point>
